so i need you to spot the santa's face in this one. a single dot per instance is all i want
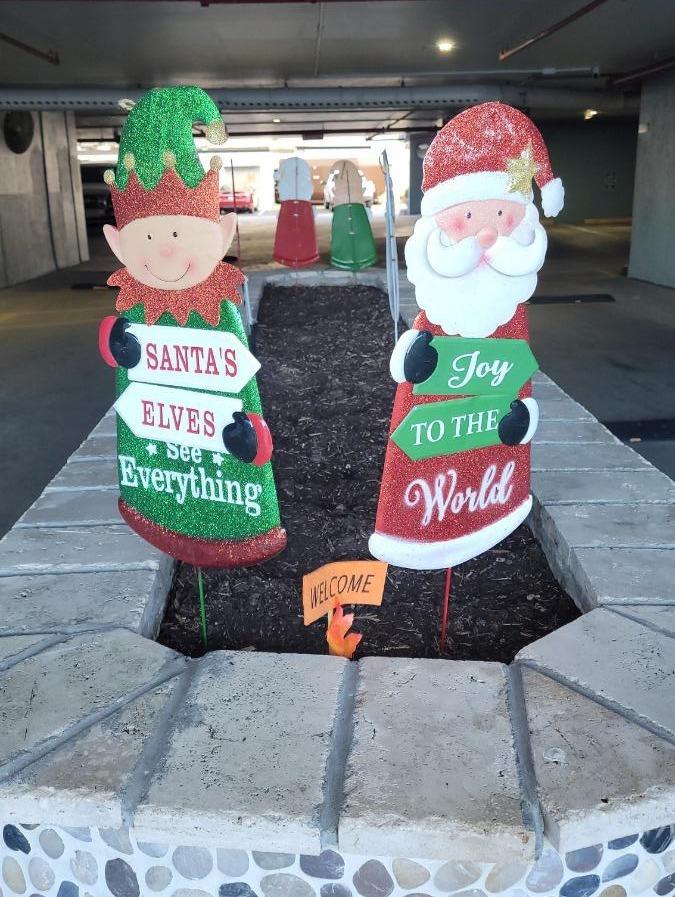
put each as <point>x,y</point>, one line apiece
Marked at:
<point>171,252</point>
<point>474,262</point>
<point>486,220</point>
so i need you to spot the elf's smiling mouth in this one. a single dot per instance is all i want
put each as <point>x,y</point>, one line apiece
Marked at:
<point>166,279</point>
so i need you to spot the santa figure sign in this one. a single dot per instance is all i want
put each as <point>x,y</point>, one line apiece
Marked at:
<point>456,476</point>
<point>193,449</point>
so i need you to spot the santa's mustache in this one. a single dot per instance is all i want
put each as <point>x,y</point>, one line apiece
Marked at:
<point>517,255</point>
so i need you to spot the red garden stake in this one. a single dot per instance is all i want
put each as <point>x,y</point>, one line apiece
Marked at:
<point>444,611</point>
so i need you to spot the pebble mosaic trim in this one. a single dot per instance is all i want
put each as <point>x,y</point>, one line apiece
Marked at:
<point>81,862</point>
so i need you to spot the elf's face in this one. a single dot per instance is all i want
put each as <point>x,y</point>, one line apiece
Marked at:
<point>171,252</point>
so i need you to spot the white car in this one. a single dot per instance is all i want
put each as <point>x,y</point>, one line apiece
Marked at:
<point>367,186</point>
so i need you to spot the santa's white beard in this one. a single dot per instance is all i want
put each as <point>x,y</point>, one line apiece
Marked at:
<point>468,291</point>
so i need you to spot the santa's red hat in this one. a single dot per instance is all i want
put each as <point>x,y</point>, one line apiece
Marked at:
<point>491,151</point>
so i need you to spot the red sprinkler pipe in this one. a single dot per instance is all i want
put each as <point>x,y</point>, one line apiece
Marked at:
<point>572,17</point>
<point>653,69</point>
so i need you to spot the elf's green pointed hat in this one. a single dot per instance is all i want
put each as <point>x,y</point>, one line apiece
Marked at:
<point>158,134</point>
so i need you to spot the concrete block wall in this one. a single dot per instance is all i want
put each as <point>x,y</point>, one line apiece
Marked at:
<point>651,253</point>
<point>42,225</point>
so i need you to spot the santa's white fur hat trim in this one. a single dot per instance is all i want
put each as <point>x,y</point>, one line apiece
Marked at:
<point>488,185</point>
<point>552,197</point>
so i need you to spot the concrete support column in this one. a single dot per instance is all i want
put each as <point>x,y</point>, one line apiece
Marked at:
<point>418,144</point>
<point>42,224</point>
<point>651,256</point>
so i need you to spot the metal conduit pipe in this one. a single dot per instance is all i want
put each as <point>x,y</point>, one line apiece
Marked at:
<point>106,99</point>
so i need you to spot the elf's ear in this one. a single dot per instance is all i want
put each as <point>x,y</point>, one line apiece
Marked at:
<point>112,235</point>
<point>228,225</point>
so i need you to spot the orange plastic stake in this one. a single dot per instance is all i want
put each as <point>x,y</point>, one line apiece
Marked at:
<point>341,642</point>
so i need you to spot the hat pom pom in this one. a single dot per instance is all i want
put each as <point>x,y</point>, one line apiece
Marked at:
<point>552,197</point>
<point>216,132</point>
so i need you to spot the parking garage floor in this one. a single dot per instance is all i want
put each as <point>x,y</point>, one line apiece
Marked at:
<point>612,350</point>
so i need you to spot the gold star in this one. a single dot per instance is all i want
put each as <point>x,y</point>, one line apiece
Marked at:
<point>521,170</point>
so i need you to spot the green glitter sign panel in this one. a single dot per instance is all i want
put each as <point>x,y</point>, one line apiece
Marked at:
<point>477,367</point>
<point>446,428</point>
<point>206,493</point>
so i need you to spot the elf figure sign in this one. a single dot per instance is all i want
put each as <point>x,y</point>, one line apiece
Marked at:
<point>193,449</point>
<point>456,476</point>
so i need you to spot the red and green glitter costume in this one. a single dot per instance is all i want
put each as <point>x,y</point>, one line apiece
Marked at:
<point>227,514</point>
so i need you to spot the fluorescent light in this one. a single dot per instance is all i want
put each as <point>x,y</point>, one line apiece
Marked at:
<point>589,114</point>
<point>443,45</point>
<point>276,121</point>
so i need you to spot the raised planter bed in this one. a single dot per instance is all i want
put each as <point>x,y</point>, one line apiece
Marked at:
<point>328,401</point>
<point>127,769</point>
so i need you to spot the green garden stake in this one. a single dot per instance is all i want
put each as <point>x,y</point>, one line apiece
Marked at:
<point>202,606</point>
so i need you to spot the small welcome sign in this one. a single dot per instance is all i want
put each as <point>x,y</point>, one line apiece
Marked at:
<point>350,582</point>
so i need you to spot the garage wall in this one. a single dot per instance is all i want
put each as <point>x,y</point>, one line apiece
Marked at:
<point>42,224</point>
<point>652,254</point>
<point>596,161</point>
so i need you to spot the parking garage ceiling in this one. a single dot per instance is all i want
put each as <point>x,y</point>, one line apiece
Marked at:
<point>302,67</point>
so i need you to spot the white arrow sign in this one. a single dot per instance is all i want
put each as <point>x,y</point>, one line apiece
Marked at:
<point>196,359</point>
<point>162,413</point>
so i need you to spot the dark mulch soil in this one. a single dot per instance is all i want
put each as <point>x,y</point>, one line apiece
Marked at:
<point>327,397</point>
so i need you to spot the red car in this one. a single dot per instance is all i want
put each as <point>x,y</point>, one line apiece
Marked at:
<point>240,200</point>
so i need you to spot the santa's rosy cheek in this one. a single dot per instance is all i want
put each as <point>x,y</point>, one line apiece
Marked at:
<point>509,223</point>
<point>454,226</point>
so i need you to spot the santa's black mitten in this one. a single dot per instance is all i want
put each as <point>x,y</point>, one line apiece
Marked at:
<point>420,359</point>
<point>118,347</point>
<point>248,438</point>
<point>514,425</point>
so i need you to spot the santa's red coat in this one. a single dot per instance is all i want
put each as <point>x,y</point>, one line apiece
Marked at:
<point>408,533</point>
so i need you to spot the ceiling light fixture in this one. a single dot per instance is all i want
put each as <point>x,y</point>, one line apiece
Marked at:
<point>443,45</point>
<point>589,114</point>
<point>276,121</point>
